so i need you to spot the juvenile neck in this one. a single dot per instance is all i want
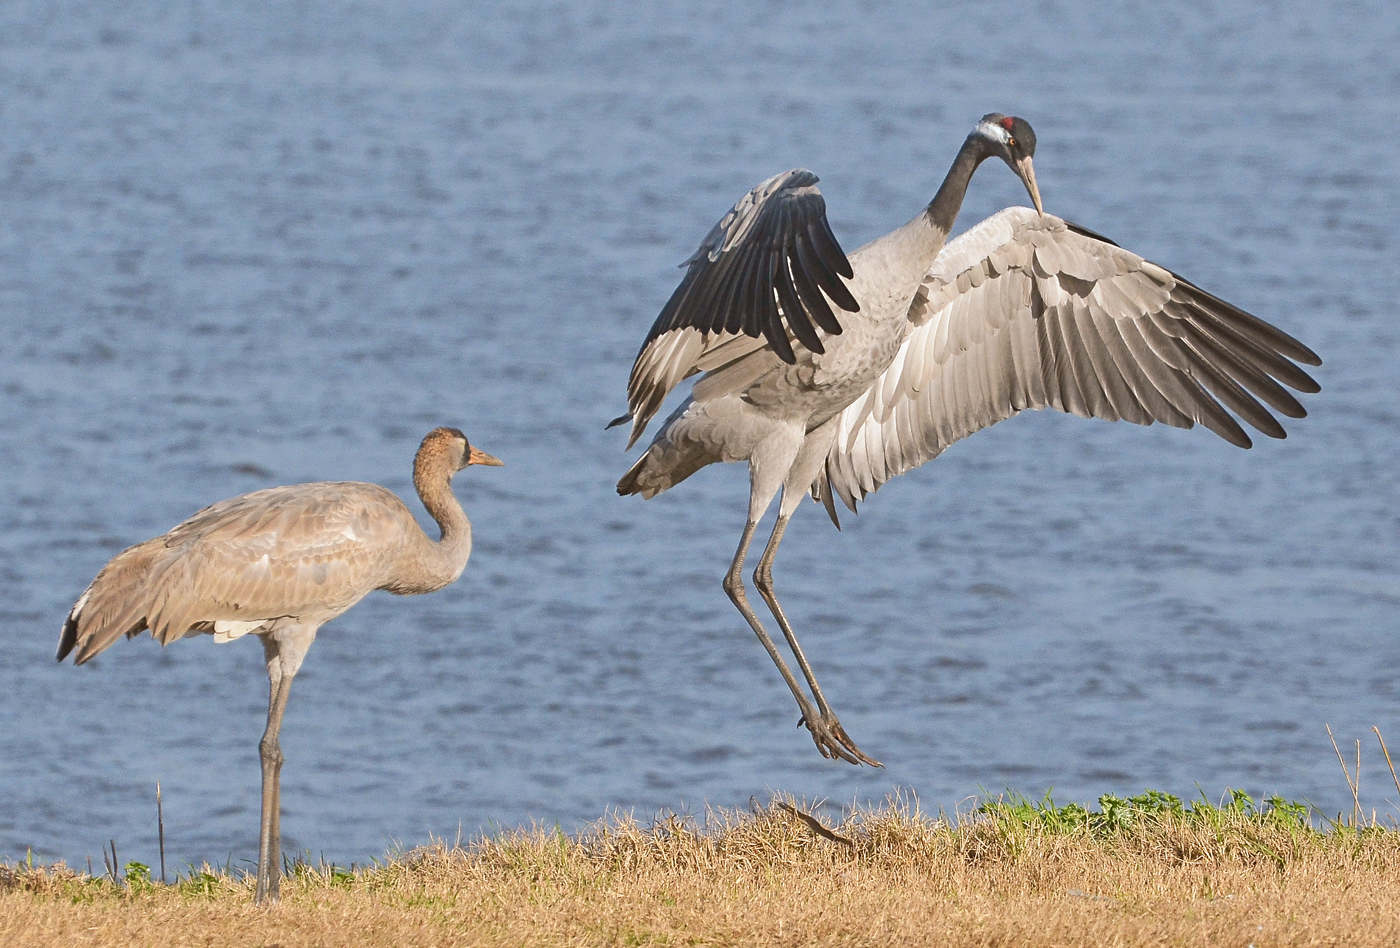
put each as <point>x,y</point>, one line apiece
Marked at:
<point>435,490</point>
<point>442,562</point>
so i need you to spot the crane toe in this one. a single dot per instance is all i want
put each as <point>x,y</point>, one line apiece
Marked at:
<point>833,742</point>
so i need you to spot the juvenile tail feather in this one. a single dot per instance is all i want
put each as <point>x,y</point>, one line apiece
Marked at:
<point>97,619</point>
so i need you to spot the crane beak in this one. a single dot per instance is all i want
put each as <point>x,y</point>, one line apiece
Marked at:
<point>479,456</point>
<point>1026,172</point>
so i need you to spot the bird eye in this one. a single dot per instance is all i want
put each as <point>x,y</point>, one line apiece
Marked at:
<point>1011,142</point>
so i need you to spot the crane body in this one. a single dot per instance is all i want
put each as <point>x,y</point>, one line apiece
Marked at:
<point>830,373</point>
<point>279,563</point>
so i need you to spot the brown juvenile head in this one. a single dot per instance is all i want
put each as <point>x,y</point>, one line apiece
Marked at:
<point>444,452</point>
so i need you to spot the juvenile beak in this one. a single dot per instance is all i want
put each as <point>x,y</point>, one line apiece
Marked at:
<point>479,456</point>
<point>1027,175</point>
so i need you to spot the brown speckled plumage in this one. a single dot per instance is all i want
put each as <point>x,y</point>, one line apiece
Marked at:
<point>306,552</point>
<point>279,563</point>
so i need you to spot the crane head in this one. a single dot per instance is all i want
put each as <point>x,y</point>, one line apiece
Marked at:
<point>1013,141</point>
<point>455,452</point>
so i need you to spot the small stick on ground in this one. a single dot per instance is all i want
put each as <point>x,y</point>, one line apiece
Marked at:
<point>814,824</point>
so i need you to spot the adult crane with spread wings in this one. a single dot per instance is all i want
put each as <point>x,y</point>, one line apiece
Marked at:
<point>832,374</point>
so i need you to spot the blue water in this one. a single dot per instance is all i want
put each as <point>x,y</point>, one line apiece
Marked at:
<point>249,244</point>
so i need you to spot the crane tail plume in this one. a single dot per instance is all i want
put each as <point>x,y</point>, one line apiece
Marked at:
<point>69,636</point>
<point>113,605</point>
<point>629,484</point>
<point>661,467</point>
<point>84,637</point>
<point>821,492</point>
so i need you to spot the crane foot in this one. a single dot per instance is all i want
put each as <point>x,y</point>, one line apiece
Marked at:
<point>833,741</point>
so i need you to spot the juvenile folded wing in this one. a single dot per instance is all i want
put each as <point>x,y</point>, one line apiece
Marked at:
<point>1025,311</point>
<point>309,550</point>
<point>765,272</point>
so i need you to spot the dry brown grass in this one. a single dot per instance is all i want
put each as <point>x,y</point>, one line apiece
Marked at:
<point>1012,876</point>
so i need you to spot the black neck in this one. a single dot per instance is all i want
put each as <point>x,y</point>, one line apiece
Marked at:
<point>943,210</point>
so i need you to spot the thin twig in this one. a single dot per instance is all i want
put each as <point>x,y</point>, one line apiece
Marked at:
<point>1356,791</point>
<point>113,869</point>
<point>1339,754</point>
<point>1387,757</point>
<point>160,823</point>
<point>1352,785</point>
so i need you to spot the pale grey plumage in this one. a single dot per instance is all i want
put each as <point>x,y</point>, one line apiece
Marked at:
<point>774,383</point>
<point>279,563</point>
<point>1022,312</point>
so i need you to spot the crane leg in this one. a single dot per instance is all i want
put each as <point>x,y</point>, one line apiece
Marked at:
<point>769,465</point>
<point>826,729</point>
<point>734,586</point>
<point>284,650</point>
<point>270,836</point>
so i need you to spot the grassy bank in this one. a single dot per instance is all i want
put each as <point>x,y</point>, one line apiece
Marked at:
<point>1144,871</point>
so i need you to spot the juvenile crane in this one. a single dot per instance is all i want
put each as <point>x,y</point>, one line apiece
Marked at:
<point>280,563</point>
<point>931,344</point>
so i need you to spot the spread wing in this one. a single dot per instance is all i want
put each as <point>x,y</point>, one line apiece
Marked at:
<point>760,279</point>
<point>307,549</point>
<point>1024,312</point>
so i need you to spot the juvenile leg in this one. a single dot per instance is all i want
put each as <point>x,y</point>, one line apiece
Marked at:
<point>284,650</point>
<point>269,836</point>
